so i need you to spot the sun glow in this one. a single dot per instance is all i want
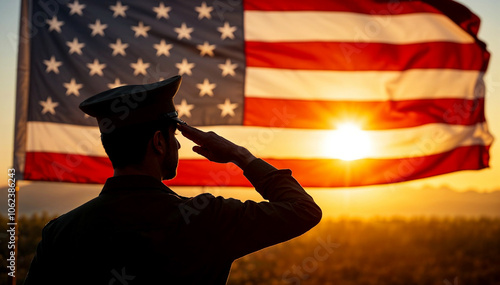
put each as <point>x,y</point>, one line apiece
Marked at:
<point>348,142</point>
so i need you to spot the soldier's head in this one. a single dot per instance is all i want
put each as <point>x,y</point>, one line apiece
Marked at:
<point>137,124</point>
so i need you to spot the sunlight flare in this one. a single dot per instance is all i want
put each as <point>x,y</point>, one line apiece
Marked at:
<point>348,142</point>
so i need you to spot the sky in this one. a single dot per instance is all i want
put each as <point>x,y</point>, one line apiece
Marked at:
<point>486,180</point>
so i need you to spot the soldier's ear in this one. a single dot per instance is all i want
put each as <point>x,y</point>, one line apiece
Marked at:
<point>158,142</point>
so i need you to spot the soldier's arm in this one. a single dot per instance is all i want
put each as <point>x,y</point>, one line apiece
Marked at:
<point>249,226</point>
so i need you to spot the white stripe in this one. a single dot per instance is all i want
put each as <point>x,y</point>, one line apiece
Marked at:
<point>276,143</point>
<point>351,27</point>
<point>64,138</point>
<point>363,85</point>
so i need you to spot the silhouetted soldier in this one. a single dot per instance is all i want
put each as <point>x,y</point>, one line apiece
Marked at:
<point>138,231</point>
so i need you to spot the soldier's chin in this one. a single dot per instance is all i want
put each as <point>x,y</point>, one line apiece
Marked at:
<point>170,175</point>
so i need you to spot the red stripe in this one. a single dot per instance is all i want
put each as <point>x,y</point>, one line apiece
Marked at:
<point>338,173</point>
<point>194,172</point>
<point>60,167</point>
<point>370,115</point>
<point>310,173</point>
<point>365,56</point>
<point>360,6</point>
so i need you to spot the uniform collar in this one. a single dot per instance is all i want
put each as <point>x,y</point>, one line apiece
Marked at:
<point>133,183</point>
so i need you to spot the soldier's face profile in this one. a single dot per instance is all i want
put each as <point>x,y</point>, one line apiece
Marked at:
<point>172,158</point>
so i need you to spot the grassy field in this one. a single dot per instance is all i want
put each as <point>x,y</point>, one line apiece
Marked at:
<point>348,251</point>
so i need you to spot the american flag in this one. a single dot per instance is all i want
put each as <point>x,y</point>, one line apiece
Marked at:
<point>344,93</point>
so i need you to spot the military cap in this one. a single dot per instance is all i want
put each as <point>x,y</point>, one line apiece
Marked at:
<point>131,105</point>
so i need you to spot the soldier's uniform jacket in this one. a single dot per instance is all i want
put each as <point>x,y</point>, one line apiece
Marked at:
<point>138,231</point>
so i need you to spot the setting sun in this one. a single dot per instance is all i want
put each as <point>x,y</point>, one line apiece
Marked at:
<point>348,142</point>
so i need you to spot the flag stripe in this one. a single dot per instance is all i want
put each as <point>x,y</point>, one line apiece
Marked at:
<point>460,14</point>
<point>64,138</point>
<point>306,26</point>
<point>333,173</point>
<point>338,173</point>
<point>352,56</point>
<point>364,7</point>
<point>275,142</point>
<point>311,144</point>
<point>64,167</point>
<point>363,85</point>
<point>376,115</point>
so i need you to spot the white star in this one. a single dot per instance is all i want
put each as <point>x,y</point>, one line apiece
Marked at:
<point>118,9</point>
<point>115,84</point>
<point>49,106</point>
<point>184,109</point>
<point>118,47</point>
<point>204,11</point>
<point>98,28</point>
<point>73,88</point>
<point>96,67</point>
<point>184,67</point>
<point>140,67</point>
<point>228,68</point>
<point>76,8</point>
<point>162,11</point>
<point>54,24</point>
<point>52,65</point>
<point>141,30</point>
<point>227,108</point>
<point>75,46</point>
<point>183,32</point>
<point>206,88</point>
<point>206,48</point>
<point>227,31</point>
<point>163,48</point>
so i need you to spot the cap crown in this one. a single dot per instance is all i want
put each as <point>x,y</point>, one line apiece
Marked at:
<point>132,104</point>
